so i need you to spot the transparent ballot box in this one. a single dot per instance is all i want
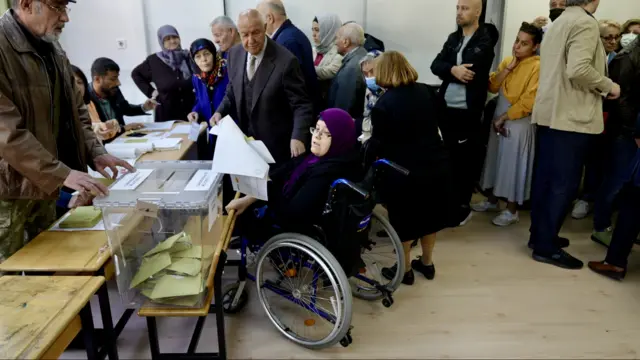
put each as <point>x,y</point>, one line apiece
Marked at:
<point>163,223</point>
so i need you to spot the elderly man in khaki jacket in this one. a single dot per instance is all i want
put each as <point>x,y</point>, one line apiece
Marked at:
<point>46,138</point>
<point>568,111</point>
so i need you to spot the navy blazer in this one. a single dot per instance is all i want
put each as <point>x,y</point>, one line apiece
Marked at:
<point>294,40</point>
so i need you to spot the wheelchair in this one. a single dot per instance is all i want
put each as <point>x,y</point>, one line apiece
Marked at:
<point>306,280</point>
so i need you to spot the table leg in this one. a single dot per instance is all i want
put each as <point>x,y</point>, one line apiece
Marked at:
<point>195,339</point>
<point>107,322</point>
<point>153,338</point>
<point>86,318</point>
<point>219,308</point>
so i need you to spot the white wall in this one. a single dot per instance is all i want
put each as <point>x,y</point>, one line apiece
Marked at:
<point>517,11</point>
<point>93,32</point>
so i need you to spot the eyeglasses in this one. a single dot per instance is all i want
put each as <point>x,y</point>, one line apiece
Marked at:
<point>59,9</point>
<point>320,134</point>
<point>611,38</point>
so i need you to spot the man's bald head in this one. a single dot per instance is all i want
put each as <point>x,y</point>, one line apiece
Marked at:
<point>468,12</point>
<point>274,14</point>
<point>252,31</point>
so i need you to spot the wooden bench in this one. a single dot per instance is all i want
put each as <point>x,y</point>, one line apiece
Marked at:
<point>40,316</point>
<point>214,293</point>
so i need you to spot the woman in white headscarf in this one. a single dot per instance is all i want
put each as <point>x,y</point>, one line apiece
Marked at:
<point>327,60</point>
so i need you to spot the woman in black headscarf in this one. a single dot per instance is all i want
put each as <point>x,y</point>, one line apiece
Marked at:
<point>170,71</point>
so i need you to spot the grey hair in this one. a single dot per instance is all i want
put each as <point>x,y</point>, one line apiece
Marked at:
<point>277,8</point>
<point>224,21</point>
<point>252,14</point>
<point>579,2</point>
<point>353,32</point>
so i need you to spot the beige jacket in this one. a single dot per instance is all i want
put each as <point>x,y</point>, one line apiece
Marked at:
<point>330,64</point>
<point>573,72</point>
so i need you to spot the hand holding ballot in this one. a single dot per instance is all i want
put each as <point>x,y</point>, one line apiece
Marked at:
<point>246,160</point>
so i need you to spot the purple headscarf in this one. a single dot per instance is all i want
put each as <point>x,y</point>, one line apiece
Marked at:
<point>176,59</point>
<point>342,128</point>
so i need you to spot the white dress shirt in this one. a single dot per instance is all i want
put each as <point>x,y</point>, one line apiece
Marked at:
<point>258,57</point>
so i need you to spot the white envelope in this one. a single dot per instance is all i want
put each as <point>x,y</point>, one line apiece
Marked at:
<point>234,155</point>
<point>250,186</point>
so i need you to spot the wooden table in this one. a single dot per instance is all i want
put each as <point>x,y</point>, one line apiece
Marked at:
<point>84,253</point>
<point>40,316</point>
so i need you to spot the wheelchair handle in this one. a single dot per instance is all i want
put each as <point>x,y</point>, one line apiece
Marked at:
<point>392,165</point>
<point>350,185</point>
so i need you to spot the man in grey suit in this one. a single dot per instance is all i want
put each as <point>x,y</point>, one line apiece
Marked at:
<point>348,88</point>
<point>267,92</point>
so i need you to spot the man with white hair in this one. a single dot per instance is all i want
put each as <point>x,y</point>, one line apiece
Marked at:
<point>46,138</point>
<point>285,33</point>
<point>568,112</point>
<point>225,34</point>
<point>348,88</point>
<point>266,92</point>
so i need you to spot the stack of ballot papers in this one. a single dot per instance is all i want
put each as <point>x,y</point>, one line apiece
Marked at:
<point>82,218</point>
<point>172,272</point>
<point>129,150</point>
<point>158,126</point>
<point>246,160</point>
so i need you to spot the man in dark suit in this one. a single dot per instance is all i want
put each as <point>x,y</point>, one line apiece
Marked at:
<point>285,33</point>
<point>267,91</point>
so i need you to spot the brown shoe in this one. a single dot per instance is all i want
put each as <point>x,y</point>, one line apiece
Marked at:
<point>608,270</point>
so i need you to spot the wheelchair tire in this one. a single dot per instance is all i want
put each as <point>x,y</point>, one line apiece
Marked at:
<point>229,294</point>
<point>342,303</point>
<point>369,292</point>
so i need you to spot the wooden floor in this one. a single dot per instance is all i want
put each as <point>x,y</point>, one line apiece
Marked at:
<point>489,300</point>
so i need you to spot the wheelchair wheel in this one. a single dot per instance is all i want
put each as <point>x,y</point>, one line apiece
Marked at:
<point>304,291</point>
<point>383,251</point>
<point>229,294</point>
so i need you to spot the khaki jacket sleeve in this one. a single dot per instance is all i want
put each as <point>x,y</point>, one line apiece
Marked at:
<point>23,152</point>
<point>581,46</point>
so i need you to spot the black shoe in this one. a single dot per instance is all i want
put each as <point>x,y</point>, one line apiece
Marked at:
<point>235,243</point>
<point>560,259</point>
<point>429,271</point>
<point>561,243</point>
<point>389,273</point>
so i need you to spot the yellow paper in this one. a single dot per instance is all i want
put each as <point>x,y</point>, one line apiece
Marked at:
<point>82,218</point>
<point>150,266</point>
<point>170,286</point>
<point>166,245</point>
<point>186,266</point>
<point>105,182</point>
<point>181,245</point>
<point>195,252</point>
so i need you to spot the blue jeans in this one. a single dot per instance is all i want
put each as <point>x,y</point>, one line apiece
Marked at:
<point>560,158</point>
<point>622,153</point>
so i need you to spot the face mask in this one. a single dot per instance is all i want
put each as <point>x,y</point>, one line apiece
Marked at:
<point>371,84</point>
<point>555,13</point>
<point>627,39</point>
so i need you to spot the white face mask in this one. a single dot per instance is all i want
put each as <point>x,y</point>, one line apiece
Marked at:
<point>627,39</point>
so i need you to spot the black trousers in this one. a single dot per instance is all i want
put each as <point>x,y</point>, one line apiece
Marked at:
<point>627,228</point>
<point>462,134</point>
<point>561,156</point>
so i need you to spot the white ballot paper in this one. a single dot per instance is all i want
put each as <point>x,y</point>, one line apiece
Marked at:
<point>159,126</point>
<point>246,161</point>
<point>131,181</point>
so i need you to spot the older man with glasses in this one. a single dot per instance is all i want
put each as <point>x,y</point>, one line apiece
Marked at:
<point>46,140</point>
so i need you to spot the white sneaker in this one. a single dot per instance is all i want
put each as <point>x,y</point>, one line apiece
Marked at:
<point>580,210</point>
<point>484,206</point>
<point>506,218</point>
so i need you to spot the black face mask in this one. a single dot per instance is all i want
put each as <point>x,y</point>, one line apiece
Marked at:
<point>555,13</point>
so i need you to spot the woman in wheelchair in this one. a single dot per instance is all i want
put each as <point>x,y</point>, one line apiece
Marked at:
<point>298,189</point>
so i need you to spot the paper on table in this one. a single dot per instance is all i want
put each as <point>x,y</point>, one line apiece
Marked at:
<point>194,131</point>
<point>166,245</point>
<point>159,126</point>
<point>196,252</point>
<point>149,267</point>
<point>133,180</point>
<point>181,129</point>
<point>233,155</point>
<point>251,186</point>
<point>81,218</point>
<point>167,144</point>
<point>201,180</point>
<point>173,286</point>
<point>138,146</point>
<point>56,227</point>
<point>186,266</point>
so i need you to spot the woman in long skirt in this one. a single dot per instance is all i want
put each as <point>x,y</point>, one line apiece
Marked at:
<point>509,161</point>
